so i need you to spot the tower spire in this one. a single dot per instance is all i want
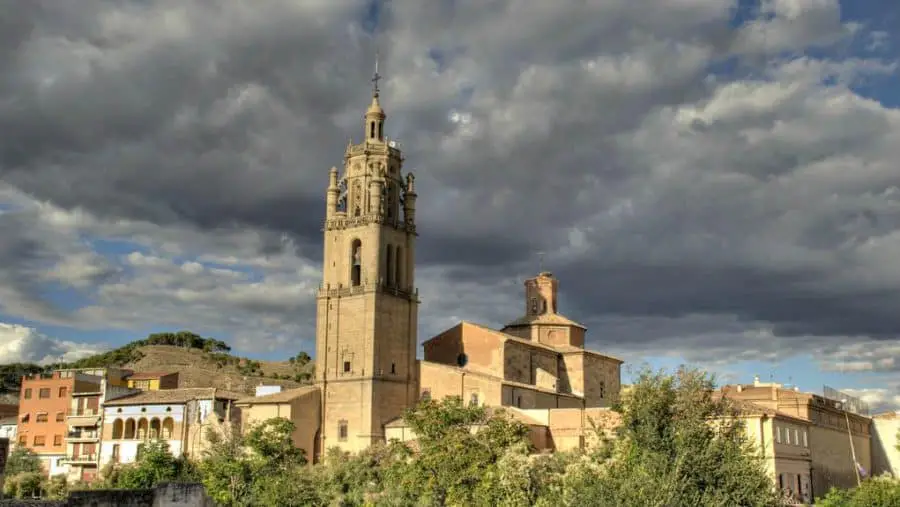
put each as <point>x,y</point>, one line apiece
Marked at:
<point>376,77</point>
<point>375,114</point>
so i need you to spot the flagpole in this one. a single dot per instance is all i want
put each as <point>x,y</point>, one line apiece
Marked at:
<point>850,436</point>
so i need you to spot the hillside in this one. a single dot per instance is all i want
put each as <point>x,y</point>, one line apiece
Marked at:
<point>197,368</point>
<point>200,362</point>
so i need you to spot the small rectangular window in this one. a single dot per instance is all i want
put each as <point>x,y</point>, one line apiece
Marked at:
<point>44,393</point>
<point>473,399</point>
<point>805,439</point>
<point>787,436</point>
<point>346,366</point>
<point>60,417</point>
<point>342,431</point>
<point>27,394</point>
<point>796,436</point>
<point>63,391</point>
<point>426,394</point>
<point>41,418</point>
<point>778,434</point>
<point>57,440</point>
<point>39,440</point>
<point>23,440</point>
<point>393,369</point>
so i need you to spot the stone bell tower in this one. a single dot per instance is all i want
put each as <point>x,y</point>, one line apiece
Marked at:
<point>367,304</point>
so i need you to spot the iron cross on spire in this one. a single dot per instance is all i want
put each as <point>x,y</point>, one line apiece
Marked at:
<point>376,77</point>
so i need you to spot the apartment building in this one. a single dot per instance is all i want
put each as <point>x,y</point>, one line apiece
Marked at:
<point>179,417</point>
<point>783,443</point>
<point>85,421</point>
<point>44,403</point>
<point>839,440</point>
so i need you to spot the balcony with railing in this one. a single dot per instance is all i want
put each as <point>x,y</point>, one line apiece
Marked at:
<point>81,458</point>
<point>83,416</point>
<point>83,436</point>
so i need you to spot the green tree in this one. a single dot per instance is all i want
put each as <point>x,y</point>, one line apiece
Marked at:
<point>24,485</point>
<point>56,487</point>
<point>452,460</point>
<point>261,467</point>
<point>272,443</point>
<point>881,491</point>
<point>679,444</point>
<point>225,472</point>
<point>155,464</point>
<point>20,460</point>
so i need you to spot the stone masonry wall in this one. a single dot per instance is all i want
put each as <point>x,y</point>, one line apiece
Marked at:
<point>164,495</point>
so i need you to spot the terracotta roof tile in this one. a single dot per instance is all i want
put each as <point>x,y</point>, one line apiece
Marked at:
<point>282,397</point>
<point>174,396</point>
<point>544,318</point>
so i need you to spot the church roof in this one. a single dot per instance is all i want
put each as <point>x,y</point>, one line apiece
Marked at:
<point>282,397</point>
<point>544,319</point>
<point>508,337</point>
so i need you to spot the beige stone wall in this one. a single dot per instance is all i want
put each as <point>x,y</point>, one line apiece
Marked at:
<point>572,378</point>
<point>349,402</point>
<point>602,381</point>
<point>530,365</point>
<point>885,455</point>
<point>306,415</point>
<point>832,463</point>
<point>443,381</point>
<point>520,397</point>
<point>574,428</point>
<point>557,336</point>
<point>483,349</point>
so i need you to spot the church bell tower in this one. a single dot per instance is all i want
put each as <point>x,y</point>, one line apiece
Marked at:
<point>367,304</point>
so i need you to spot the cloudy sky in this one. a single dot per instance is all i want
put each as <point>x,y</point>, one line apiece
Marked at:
<point>713,181</point>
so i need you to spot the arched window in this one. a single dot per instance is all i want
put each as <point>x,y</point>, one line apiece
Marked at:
<point>356,263</point>
<point>154,428</point>
<point>389,265</point>
<point>543,306</point>
<point>168,428</point>
<point>129,429</point>
<point>142,429</point>
<point>534,306</point>
<point>398,270</point>
<point>118,429</point>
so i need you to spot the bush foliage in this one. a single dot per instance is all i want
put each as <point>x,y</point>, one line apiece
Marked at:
<point>666,453</point>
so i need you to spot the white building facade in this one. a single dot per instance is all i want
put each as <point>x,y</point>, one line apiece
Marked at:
<point>177,417</point>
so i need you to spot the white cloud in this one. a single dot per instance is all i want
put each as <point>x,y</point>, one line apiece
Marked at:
<point>27,345</point>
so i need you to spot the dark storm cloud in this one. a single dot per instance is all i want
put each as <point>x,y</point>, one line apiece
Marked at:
<point>231,123</point>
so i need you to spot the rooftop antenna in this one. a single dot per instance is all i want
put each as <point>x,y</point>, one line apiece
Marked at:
<point>376,77</point>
